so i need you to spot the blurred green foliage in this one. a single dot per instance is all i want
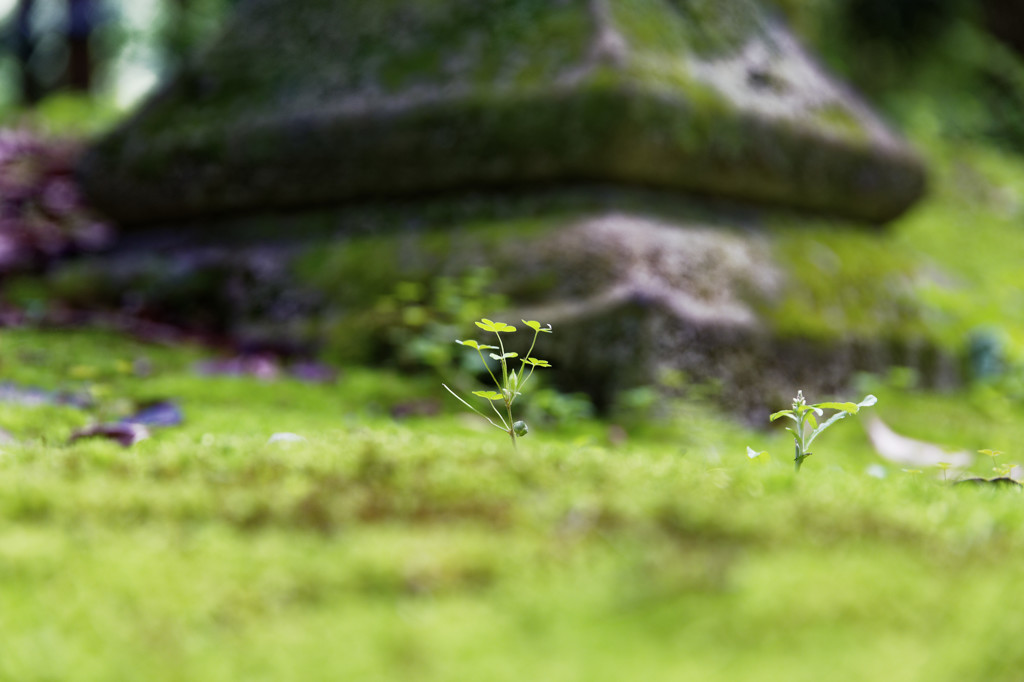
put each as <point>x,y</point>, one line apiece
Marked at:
<point>435,554</point>
<point>932,63</point>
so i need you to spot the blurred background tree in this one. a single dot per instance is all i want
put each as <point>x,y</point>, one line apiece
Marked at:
<point>111,50</point>
<point>947,67</point>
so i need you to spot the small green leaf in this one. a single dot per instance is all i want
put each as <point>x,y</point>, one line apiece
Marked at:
<point>812,421</point>
<point>991,453</point>
<point>760,457</point>
<point>536,326</point>
<point>477,346</point>
<point>781,413</point>
<point>535,362</point>
<point>492,326</point>
<point>943,465</point>
<point>852,408</point>
<point>495,356</point>
<point>489,395</point>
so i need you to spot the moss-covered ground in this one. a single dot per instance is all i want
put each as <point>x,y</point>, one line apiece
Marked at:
<point>426,549</point>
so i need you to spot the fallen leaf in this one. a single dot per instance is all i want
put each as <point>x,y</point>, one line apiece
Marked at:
<point>125,434</point>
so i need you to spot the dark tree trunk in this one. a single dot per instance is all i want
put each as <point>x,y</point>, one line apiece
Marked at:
<point>24,48</point>
<point>81,18</point>
<point>177,37</point>
<point>1005,19</point>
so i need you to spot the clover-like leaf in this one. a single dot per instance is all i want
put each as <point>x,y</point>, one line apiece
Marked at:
<point>536,362</point>
<point>536,326</point>
<point>489,395</point>
<point>495,356</point>
<point>492,326</point>
<point>475,345</point>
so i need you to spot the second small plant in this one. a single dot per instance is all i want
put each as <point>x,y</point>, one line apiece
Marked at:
<point>510,385</point>
<point>806,418</point>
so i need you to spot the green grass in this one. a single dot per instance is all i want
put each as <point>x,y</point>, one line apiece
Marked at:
<point>428,550</point>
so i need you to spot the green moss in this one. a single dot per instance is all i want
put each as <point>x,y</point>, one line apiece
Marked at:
<point>844,282</point>
<point>406,98</point>
<point>205,553</point>
<point>844,123</point>
<point>937,274</point>
<point>710,28</point>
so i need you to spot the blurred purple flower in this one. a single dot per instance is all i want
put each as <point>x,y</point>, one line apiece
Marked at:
<point>43,214</point>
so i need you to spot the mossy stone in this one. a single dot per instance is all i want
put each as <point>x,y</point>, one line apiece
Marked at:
<point>335,101</point>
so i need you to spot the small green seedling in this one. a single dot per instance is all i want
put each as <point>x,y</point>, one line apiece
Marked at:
<point>945,467</point>
<point>511,384</point>
<point>1002,470</point>
<point>992,454</point>
<point>806,418</point>
<point>1006,470</point>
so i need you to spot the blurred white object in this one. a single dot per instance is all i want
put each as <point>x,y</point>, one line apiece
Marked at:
<point>876,471</point>
<point>902,450</point>
<point>286,438</point>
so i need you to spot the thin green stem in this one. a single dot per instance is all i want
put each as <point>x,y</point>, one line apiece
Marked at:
<point>489,420</point>
<point>801,444</point>
<point>522,382</point>
<point>504,363</point>
<point>507,425</point>
<point>493,378</point>
<point>536,333</point>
